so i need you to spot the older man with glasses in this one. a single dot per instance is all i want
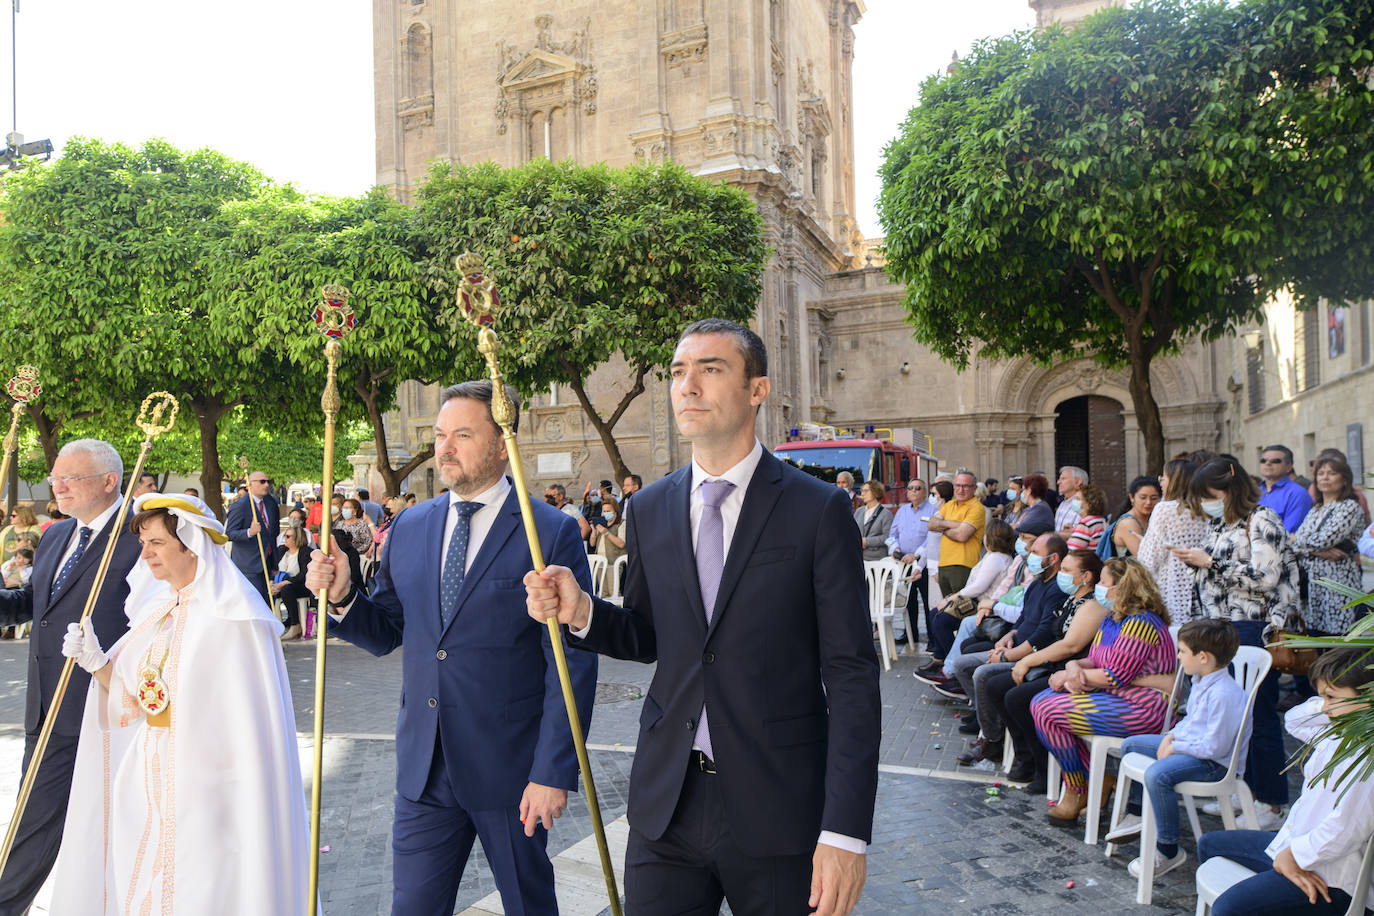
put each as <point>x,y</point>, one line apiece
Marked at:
<point>908,542</point>
<point>85,482</point>
<point>961,522</point>
<point>1279,491</point>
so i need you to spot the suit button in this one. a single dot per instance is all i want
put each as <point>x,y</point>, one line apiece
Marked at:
<point>691,725</point>
<point>43,623</point>
<point>433,702</point>
<point>709,657</point>
<point>441,655</point>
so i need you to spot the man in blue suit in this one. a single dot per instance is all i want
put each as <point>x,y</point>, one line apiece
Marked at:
<point>85,482</point>
<point>756,768</point>
<point>254,521</point>
<point>483,745</point>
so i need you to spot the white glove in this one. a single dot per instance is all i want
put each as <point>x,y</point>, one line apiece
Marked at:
<point>81,644</point>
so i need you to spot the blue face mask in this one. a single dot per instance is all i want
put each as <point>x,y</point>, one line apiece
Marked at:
<point>1076,505</point>
<point>1215,508</point>
<point>1065,582</point>
<point>1021,549</point>
<point>1012,496</point>
<point>1100,594</point>
<point>1035,563</point>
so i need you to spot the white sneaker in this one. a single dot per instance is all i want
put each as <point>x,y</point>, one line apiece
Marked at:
<point>1162,865</point>
<point>1214,809</point>
<point>1268,818</point>
<point>1129,826</point>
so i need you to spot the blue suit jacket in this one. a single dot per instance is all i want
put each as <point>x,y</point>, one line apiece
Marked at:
<point>243,548</point>
<point>51,613</point>
<point>487,684</point>
<point>786,667</point>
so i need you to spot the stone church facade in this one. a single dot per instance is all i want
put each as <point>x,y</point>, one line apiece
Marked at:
<point>756,93</point>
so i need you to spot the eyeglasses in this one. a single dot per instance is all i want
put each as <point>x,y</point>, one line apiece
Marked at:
<point>68,479</point>
<point>266,480</point>
<point>1271,461</point>
<point>915,487</point>
<point>965,486</point>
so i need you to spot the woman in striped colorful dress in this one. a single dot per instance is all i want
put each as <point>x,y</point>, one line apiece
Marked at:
<point>1120,689</point>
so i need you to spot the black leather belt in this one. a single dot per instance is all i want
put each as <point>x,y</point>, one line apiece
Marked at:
<point>701,762</point>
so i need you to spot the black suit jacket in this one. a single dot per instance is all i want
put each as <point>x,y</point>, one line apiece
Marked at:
<point>51,613</point>
<point>243,548</point>
<point>786,667</point>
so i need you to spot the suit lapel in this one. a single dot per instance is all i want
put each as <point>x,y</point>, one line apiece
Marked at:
<point>679,519</point>
<point>89,558</point>
<point>434,536</point>
<point>506,523</point>
<point>759,499</point>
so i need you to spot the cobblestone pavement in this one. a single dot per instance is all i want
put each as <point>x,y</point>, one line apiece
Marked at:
<point>942,843</point>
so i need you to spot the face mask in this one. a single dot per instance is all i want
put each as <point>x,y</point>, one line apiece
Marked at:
<point>1076,505</point>
<point>347,513</point>
<point>608,516</point>
<point>1035,563</point>
<point>551,500</point>
<point>1012,496</point>
<point>1021,549</point>
<point>1214,507</point>
<point>1065,582</point>
<point>333,510</point>
<point>1100,594</point>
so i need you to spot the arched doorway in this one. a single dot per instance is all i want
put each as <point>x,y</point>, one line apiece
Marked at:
<point>1090,433</point>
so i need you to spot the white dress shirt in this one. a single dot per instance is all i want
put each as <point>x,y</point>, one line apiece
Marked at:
<point>1216,716</point>
<point>96,525</point>
<point>1329,824</point>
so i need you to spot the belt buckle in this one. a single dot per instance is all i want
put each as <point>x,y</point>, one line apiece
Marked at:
<point>704,763</point>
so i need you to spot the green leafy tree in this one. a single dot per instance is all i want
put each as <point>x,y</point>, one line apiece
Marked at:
<point>283,247</point>
<point>590,262</point>
<point>1155,175</point>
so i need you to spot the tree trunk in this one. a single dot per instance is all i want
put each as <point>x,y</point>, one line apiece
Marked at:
<point>1147,413</point>
<point>208,413</point>
<point>47,429</point>
<point>370,394</point>
<point>604,428</point>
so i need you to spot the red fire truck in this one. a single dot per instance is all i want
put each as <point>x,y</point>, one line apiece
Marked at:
<point>893,456</point>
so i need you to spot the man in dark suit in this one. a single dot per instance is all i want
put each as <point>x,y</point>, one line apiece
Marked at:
<point>254,520</point>
<point>757,763</point>
<point>483,745</point>
<point>85,482</point>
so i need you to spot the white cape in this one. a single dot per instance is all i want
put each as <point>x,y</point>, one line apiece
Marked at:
<point>207,815</point>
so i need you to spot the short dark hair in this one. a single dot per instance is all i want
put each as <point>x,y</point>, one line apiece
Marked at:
<point>944,489</point>
<point>363,494</point>
<point>25,552</point>
<point>480,390</point>
<point>558,488</point>
<point>1056,545</point>
<point>147,515</point>
<point>1342,668</point>
<point>192,491</point>
<point>639,481</point>
<point>1088,561</point>
<point>749,344</point>
<point>999,537</point>
<point>1216,637</point>
<point>1287,452</point>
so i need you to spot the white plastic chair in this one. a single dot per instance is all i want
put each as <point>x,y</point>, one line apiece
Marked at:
<point>617,574</point>
<point>597,564</point>
<point>1217,875</point>
<point>1250,666</point>
<point>882,600</point>
<point>899,597</point>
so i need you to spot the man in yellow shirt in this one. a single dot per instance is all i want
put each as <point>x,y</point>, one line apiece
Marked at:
<point>961,522</point>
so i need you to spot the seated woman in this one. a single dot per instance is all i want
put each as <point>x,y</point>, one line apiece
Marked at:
<point>1311,865</point>
<point>292,559</point>
<point>998,540</point>
<point>1096,695</point>
<point>1001,693</point>
<point>186,795</point>
<point>1092,518</point>
<point>1129,529</point>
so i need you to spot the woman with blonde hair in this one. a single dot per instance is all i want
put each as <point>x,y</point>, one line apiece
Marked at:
<point>1094,695</point>
<point>22,519</point>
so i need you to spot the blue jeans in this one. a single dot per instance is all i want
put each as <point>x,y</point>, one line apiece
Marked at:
<point>1268,893</point>
<point>966,627</point>
<point>1161,778</point>
<point>1265,763</point>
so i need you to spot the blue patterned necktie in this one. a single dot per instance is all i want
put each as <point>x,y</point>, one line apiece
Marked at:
<point>710,551</point>
<point>455,563</point>
<point>67,567</point>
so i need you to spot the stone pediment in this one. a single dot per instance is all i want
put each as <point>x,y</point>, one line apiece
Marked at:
<point>538,68</point>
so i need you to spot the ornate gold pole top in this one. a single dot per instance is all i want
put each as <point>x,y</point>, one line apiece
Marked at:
<point>155,407</point>
<point>479,302</point>
<point>24,386</point>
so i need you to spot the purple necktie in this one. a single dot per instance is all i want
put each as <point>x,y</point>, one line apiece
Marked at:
<point>710,564</point>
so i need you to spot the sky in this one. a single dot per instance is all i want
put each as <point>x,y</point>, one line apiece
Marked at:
<point>287,85</point>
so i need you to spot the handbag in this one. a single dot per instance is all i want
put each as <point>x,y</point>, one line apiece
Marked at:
<point>962,607</point>
<point>1286,657</point>
<point>992,628</point>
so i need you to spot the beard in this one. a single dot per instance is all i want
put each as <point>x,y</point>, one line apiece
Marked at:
<point>471,478</point>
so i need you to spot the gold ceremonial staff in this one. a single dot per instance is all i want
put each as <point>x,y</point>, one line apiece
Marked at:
<point>335,320</point>
<point>478,301</point>
<point>150,420</point>
<point>266,576</point>
<point>23,388</point>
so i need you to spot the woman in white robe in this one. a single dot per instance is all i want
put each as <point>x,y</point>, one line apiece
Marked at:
<point>187,790</point>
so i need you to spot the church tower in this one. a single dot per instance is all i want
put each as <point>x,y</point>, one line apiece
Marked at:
<point>756,93</point>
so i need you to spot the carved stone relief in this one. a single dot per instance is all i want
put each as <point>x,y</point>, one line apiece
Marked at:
<point>552,73</point>
<point>684,48</point>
